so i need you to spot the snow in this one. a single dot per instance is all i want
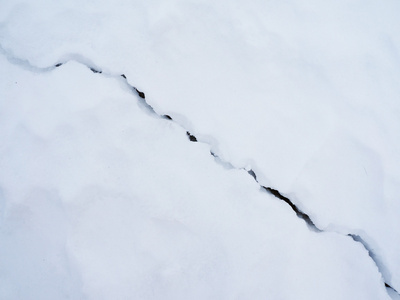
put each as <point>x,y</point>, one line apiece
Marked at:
<point>108,200</point>
<point>103,200</point>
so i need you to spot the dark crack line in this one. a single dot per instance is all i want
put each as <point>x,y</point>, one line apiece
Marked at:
<point>142,100</point>
<point>298,212</point>
<point>373,256</point>
<point>192,138</point>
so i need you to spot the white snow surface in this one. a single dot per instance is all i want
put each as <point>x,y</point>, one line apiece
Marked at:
<point>100,199</point>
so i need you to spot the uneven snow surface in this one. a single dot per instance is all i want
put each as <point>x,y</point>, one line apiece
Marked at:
<point>103,197</point>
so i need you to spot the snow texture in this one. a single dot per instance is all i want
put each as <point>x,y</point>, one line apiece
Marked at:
<point>101,198</point>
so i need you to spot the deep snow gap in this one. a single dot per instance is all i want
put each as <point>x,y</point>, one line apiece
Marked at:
<point>299,213</point>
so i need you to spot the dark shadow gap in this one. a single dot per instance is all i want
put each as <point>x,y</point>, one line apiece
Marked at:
<point>95,71</point>
<point>192,138</point>
<point>141,94</point>
<point>298,212</point>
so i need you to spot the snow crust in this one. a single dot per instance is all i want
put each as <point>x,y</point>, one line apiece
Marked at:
<point>305,93</point>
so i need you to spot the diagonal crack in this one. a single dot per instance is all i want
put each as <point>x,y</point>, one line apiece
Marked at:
<point>142,100</point>
<point>298,212</point>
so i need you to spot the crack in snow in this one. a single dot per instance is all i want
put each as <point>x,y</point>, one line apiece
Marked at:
<point>278,195</point>
<point>192,138</point>
<point>299,213</point>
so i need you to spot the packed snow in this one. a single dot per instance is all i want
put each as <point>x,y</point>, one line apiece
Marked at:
<point>103,198</point>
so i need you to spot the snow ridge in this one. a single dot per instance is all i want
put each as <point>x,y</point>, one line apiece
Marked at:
<point>25,64</point>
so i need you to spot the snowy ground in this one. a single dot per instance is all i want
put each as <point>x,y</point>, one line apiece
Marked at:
<point>102,197</point>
